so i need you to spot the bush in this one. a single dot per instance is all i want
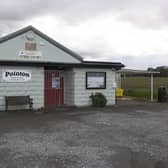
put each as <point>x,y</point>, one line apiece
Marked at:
<point>98,100</point>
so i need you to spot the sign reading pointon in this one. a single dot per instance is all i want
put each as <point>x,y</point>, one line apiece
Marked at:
<point>16,75</point>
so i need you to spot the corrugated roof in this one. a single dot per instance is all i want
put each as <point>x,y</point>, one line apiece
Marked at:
<point>135,71</point>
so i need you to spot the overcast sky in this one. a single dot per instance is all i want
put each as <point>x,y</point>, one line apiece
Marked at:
<point>134,32</point>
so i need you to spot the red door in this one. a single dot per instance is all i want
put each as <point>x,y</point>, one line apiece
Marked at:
<point>54,89</point>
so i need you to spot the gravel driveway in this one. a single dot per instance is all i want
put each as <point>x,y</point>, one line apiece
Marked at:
<point>126,136</point>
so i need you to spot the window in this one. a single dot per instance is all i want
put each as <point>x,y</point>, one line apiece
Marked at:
<point>95,80</point>
<point>30,46</point>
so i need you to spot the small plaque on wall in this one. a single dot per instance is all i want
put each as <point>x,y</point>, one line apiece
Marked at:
<point>33,55</point>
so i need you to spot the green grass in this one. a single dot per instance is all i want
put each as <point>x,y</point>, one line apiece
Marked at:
<point>140,86</point>
<point>140,93</point>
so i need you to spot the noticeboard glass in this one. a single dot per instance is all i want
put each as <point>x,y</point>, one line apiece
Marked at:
<point>95,80</point>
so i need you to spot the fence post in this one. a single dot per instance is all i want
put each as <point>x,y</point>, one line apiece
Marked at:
<point>151,86</point>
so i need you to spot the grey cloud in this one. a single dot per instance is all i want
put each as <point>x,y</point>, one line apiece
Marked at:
<point>142,62</point>
<point>9,26</point>
<point>130,61</point>
<point>68,9</point>
<point>19,9</point>
<point>147,14</point>
<point>90,55</point>
<point>141,13</point>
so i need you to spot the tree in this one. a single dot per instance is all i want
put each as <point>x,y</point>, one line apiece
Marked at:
<point>162,69</point>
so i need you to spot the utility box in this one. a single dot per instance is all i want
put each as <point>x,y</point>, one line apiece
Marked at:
<point>119,92</point>
<point>162,94</point>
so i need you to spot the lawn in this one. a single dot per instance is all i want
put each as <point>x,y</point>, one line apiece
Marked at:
<point>140,86</point>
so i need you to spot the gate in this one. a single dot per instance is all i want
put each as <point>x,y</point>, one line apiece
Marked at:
<point>54,88</point>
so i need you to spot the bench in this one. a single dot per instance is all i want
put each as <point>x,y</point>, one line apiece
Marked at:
<point>18,100</point>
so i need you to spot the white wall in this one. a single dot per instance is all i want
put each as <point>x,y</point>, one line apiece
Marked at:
<point>75,86</point>
<point>69,87</point>
<point>82,94</point>
<point>34,88</point>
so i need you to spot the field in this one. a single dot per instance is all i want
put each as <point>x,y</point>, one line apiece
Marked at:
<point>140,86</point>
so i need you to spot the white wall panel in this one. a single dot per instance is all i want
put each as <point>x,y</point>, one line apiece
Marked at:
<point>34,88</point>
<point>82,94</point>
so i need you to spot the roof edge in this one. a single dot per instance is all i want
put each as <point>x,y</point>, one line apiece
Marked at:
<point>116,66</point>
<point>137,71</point>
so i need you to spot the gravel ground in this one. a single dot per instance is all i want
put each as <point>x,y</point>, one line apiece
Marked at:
<point>123,136</point>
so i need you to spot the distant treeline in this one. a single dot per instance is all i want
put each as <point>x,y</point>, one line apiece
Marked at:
<point>162,69</point>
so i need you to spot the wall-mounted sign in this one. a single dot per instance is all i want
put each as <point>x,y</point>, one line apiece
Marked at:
<point>16,75</point>
<point>30,54</point>
<point>95,80</point>
<point>56,82</point>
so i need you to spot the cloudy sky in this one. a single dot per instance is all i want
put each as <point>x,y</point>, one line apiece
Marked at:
<point>134,32</point>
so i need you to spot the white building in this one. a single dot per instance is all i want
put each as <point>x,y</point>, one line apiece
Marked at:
<point>33,64</point>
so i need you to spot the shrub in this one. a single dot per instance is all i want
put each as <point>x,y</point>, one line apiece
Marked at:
<point>98,100</point>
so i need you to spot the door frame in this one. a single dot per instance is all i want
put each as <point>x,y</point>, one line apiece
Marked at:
<point>62,84</point>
